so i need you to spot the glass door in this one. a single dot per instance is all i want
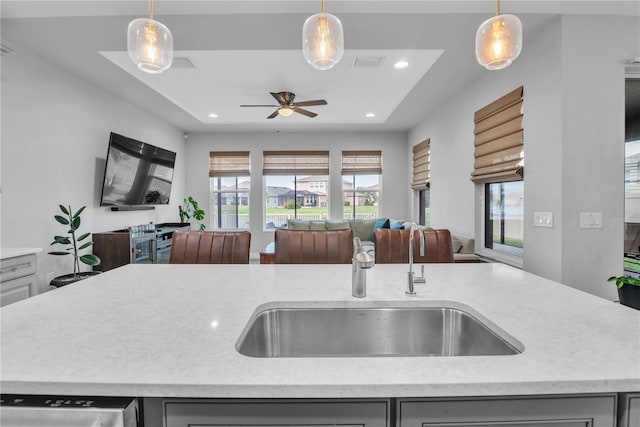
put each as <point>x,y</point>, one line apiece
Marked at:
<point>143,250</point>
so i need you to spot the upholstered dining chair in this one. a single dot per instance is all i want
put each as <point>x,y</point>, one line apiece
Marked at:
<point>313,246</point>
<point>210,247</point>
<point>392,246</point>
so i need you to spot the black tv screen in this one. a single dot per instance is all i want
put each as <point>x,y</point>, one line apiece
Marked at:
<point>136,173</point>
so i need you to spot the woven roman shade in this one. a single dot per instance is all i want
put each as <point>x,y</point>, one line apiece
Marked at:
<point>295,163</point>
<point>499,140</point>
<point>229,163</point>
<point>421,167</point>
<point>362,162</point>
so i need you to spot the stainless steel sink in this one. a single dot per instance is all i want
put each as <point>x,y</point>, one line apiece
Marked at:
<point>372,332</point>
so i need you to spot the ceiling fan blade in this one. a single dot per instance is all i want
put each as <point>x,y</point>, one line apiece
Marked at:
<point>279,97</point>
<point>252,105</point>
<point>304,112</point>
<point>310,103</point>
<point>274,114</point>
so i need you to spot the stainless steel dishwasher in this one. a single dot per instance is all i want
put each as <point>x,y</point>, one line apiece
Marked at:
<point>52,411</point>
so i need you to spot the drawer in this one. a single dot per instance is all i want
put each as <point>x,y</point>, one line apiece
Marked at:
<point>20,266</point>
<point>17,289</point>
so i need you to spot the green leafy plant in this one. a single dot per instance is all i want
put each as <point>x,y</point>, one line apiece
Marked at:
<point>73,221</point>
<point>191,209</point>
<point>624,280</point>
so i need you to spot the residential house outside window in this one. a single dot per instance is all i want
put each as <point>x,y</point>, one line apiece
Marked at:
<point>296,186</point>
<point>229,184</point>
<point>361,173</point>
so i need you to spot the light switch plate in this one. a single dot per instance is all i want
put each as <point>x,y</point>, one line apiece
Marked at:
<point>543,219</point>
<point>590,219</point>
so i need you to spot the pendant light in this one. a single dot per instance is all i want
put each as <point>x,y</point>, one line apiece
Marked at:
<point>322,40</point>
<point>499,40</point>
<point>150,44</point>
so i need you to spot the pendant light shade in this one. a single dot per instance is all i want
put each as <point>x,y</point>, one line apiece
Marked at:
<point>150,44</point>
<point>322,40</point>
<point>499,40</point>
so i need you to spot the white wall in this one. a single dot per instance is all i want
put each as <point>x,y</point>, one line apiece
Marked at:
<point>55,131</point>
<point>395,182</point>
<point>594,49</point>
<point>573,125</point>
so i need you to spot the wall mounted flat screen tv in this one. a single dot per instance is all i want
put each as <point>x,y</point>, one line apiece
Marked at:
<point>136,173</point>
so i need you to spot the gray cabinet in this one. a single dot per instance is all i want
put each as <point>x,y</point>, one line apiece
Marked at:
<point>554,411</point>
<point>18,278</point>
<point>629,410</point>
<point>272,413</point>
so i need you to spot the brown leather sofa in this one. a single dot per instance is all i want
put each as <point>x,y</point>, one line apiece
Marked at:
<point>313,247</point>
<point>210,247</point>
<point>392,246</point>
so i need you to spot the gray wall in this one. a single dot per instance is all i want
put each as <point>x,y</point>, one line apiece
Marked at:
<point>574,151</point>
<point>395,182</point>
<point>55,130</point>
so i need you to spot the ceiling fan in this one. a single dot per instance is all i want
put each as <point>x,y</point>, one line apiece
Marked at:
<point>287,106</point>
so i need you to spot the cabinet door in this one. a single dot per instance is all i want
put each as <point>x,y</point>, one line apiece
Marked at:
<point>17,289</point>
<point>290,413</point>
<point>629,409</point>
<point>565,411</point>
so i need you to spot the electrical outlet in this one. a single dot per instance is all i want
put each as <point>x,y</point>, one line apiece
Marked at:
<point>50,277</point>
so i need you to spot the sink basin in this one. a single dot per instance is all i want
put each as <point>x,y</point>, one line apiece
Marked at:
<point>372,332</point>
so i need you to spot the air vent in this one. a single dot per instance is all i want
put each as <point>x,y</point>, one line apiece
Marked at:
<point>182,63</point>
<point>4,49</point>
<point>367,61</point>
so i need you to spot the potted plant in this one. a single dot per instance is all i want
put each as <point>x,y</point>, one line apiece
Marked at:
<point>73,221</point>
<point>628,290</point>
<point>191,209</point>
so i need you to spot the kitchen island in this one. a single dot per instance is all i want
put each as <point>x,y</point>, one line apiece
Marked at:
<point>169,331</point>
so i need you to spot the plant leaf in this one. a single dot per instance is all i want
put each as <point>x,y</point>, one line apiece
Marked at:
<point>76,223</point>
<point>86,245</point>
<point>62,240</point>
<point>63,209</point>
<point>59,253</point>
<point>79,212</point>
<point>62,220</point>
<point>84,236</point>
<point>90,259</point>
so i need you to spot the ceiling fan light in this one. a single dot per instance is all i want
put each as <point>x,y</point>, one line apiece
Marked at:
<point>499,41</point>
<point>285,111</point>
<point>322,41</point>
<point>150,45</point>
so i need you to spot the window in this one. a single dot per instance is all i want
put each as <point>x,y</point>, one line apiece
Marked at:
<point>424,207</point>
<point>361,172</point>
<point>504,225</point>
<point>295,186</point>
<point>421,180</point>
<point>499,160</point>
<point>229,184</point>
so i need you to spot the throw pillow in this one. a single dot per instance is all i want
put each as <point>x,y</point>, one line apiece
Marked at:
<point>317,225</point>
<point>297,224</point>
<point>337,224</point>
<point>396,224</point>
<point>456,244</point>
<point>363,228</point>
<point>380,223</point>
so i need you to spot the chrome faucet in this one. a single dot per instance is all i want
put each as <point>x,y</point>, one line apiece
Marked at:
<point>411,279</point>
<point>360,263</point>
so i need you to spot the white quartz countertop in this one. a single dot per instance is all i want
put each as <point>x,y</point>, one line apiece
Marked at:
<point>170,330</point>
<point>14,252</point>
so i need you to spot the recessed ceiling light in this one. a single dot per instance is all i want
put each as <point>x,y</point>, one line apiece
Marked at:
<point>370,115</point>
<point>213,115</point>
<point>401,64</point>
